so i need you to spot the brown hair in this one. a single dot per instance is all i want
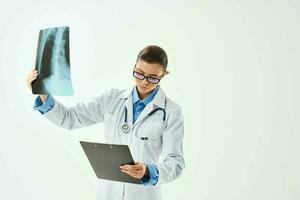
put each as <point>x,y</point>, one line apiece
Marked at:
<point>153,54</point>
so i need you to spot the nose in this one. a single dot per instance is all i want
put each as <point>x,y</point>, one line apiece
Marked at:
<point>145,82</point>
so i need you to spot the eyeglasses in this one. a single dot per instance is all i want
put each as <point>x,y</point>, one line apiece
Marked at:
<point>150,79</point>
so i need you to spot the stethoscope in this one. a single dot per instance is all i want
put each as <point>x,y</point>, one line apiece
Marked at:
<point>125,127</point>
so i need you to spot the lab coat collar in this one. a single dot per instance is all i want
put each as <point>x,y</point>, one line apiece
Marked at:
<point>158,100</point>
<point>126,93</point>
<point>148,99</point>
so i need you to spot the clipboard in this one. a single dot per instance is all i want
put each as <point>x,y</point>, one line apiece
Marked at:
<point>106,160</point>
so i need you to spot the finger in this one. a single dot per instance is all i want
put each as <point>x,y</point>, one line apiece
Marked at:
<point>130,169</point>
<point>31,80</point>
<point>33,77</point>
<point>30,76</point>
<point>133,172</point>
<point>135,175</point>
<point>127,167</point>
<point>133,168</point>
<point>123,167</point>
<point>126,172</point>
<point>136,166</point>
<point>33,72</point>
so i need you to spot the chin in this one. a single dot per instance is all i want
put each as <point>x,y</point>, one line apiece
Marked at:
<point>144,90</point>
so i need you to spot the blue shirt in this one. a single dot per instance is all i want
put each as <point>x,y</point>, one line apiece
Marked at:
<point>43,107</point>
<point>138,106</point>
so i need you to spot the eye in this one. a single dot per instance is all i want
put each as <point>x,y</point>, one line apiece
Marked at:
<point>138,75</point>
<point>153,79</point>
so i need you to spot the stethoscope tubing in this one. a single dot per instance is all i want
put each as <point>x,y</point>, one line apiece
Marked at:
<point>151,113</point>
<point>125,128</point>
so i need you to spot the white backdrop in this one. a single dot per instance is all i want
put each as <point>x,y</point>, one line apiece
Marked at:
<point>234,70</point>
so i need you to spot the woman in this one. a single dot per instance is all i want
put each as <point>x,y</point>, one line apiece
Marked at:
<point>142,117</point>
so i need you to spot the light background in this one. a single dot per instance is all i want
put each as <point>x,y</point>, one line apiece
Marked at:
<point>234,70</point>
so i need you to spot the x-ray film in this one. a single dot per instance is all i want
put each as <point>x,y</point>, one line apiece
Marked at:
<point>53,63</point>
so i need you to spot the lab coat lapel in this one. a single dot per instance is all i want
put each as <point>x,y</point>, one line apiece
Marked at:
<point>128,104</point>
<point>127,94</point>
<point>160,99</point>
<point>144,113</point>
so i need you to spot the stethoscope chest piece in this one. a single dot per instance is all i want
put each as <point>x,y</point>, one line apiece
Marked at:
<point>125,128</point>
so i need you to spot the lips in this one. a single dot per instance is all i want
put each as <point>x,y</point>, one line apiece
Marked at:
<point>144,88</point>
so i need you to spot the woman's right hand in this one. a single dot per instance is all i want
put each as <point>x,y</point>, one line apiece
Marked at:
<point>30,78</point>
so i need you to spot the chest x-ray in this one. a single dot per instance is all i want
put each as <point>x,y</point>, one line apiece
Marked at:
<point>53,63</point>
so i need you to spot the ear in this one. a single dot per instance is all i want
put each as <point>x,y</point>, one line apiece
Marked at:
<point>167,72</point>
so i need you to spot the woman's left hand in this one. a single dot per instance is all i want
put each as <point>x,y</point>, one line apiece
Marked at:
<point>138,170</point>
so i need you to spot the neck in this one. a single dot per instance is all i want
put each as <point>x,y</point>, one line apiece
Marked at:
<point>143,96</point>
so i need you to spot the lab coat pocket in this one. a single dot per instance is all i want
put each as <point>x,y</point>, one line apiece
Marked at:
<point>150,131</point>
<point>148,139</point>
<point>149,136</point>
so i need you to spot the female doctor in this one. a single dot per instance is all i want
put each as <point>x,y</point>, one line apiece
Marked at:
<point>142,117</point>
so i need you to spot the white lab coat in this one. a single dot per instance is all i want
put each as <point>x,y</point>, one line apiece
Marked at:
<point>164,146</point>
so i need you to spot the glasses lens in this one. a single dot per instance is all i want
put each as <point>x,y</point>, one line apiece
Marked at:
<point>138,75</point>
<point>153,80</point>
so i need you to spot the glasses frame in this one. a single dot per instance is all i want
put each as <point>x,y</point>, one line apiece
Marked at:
<point>147,77</point>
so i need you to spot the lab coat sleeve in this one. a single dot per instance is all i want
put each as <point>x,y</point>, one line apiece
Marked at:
<point>171,163</point>
<point>80,115</point>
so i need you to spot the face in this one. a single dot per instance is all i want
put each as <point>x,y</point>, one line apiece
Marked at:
<point>147,69</point>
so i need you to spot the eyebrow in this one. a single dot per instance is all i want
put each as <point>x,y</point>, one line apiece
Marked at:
<point>148,74</point>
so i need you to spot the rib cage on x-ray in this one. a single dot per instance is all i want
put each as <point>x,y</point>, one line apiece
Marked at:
<point>53,63</point>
